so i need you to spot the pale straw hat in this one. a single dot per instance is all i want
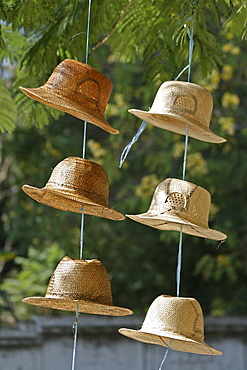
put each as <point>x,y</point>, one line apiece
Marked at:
<point>78,89</point>
<point>175,322</point>
<point>85,282</point>
<point>179,203</point>
<point>177,103</point>
<point>75,182</point>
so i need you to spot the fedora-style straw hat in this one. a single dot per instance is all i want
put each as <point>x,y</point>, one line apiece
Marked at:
<point>75,182</point>
<point>78,89</point>
<point>179,203</point>
<point>85,282</point>
<point>177,319</point>
<point>177,103</point>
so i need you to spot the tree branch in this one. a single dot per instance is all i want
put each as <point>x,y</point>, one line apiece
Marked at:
<point>113,28</point>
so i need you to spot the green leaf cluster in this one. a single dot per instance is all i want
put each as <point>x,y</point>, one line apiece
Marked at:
<point>148,45</point>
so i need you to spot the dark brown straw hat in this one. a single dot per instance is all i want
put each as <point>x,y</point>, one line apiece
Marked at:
<point>78,89</point>
<point>75,182</point>
<point>175,322</point>
<point>85,282</point>
<point>177,103</point>
<point>179,203</point>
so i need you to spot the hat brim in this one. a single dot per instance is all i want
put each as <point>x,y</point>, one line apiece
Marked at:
<point>68,202</point>
<point>179,342</point>
<point>85,111</point>
<point>175,123</point>
<point>174,223</point>
<point>83,306</point>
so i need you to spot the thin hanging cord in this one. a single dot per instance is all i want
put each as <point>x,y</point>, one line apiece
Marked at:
<point>75,325</point>
<point>75,331</point>
<point>81,234</point>
<point>126,150</point>
<point>86,61</point>
<point>166,353</point>
<point>179,263</point>
<point>144,124</point>
<point>88,30</point>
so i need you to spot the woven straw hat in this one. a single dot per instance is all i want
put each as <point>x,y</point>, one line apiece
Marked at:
<point>73,182</point>
<point>77,89</point>
<point>178,203</point>
<point>179,319</point>
<point>177,103</point>
<point>85,282</point>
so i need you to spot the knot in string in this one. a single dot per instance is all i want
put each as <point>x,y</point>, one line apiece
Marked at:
<point>75,327</point>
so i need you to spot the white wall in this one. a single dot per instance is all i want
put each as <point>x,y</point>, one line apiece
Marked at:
<point>46,344</point>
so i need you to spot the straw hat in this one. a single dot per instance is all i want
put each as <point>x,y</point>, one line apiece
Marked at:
<point>77,89</point>
<point>75,182</point>
<point>179,203</point>
<point>177,103</point>
<point>85,282</point>
<point>176,318</point>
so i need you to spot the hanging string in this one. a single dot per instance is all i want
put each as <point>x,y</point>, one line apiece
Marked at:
<point>135,138</point>
<point>166,353</point>
<point>75,324</point>
<point>75,331</point>
<point>86,62</point>
<point>84,140</point>
<point>81,234</point>
<point>179,263</point>
<point>144,124</point>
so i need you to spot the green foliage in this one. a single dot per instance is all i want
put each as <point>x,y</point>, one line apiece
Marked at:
<point>34,272</point>
<point>46,32</point>
<point>8,111</point>
<point>148,45</point>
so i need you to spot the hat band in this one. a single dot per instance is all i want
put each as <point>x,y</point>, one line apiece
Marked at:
<point>181,115</point>
<point>183,215</point>
<point>80,297</point>
<point>190,219</point>
<point>76,193</point>
<point>197,337</point>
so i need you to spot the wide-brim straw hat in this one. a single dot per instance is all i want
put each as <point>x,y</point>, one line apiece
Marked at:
<point>78,89</point>
<point>174,322</point>
<point>177,103</point>
<point>80,282</point>
<point>179,203</point>
<point>75,182</point>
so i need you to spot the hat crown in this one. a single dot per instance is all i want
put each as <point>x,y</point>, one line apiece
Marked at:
<point>184,99</point>
<point>80,280</point>
<point>83,80</point>
<point>81,177</point>
<point>180,316</point>
<point>182,198</point>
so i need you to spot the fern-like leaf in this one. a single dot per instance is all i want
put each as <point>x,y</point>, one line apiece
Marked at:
<point>8,114</point>
<point>33,113</point>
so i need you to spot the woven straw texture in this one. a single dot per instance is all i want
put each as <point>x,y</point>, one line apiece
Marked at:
<point>177,103</point>
<point>73,182</point>
<point>176,318</point>
<point>77,89</point>
<point>178,203</point>
<point>85,282</point>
